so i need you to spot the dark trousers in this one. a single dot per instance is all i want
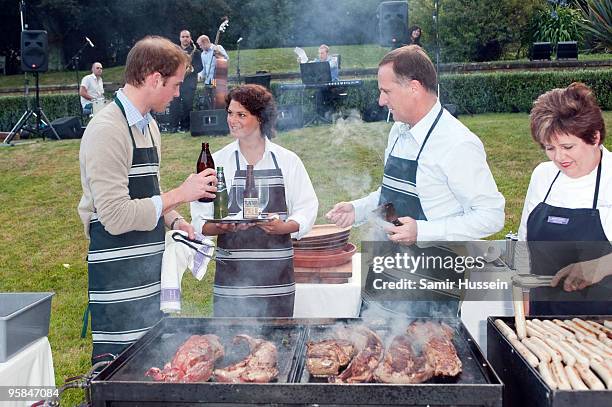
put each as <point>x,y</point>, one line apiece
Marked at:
<point>181,107</point>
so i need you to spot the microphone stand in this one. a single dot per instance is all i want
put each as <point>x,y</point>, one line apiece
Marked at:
<point>74,63</point>
<point>238,62</point>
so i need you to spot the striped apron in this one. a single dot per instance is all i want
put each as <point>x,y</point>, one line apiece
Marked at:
<point>399,187</point>
<point>125,270</point>
<point>257,279</point>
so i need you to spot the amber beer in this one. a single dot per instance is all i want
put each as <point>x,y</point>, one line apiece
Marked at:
<point>205,161</point>
<point>250,202</point>
<point>221,199</point>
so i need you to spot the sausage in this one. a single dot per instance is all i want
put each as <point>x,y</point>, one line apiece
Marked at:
<point>603,328</point>
<point>567,357</point>
<point>589,378</point>
<point>587,327</point>
<point>598,344</point>
<point>605,340</point>
<point>554,355</point>
<point>563,325</point>
<point>532,331</point>
<point>604,372</point>
<point>505,329</point>
<point>579,328</point>
<point>585,351</point>
<point>519,312</point>
<point>537,350</point>
<point>547,375</point>
<point>608,323</point>
<point>574,379</point>
<point>540,329</point>
<point>560,376</point>
<point>526,353</point>
<point>577,355</point>
<point>594,346</point>
<point>556,328</point>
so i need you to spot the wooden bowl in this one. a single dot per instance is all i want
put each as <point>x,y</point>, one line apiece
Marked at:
<point>324,258</point>
<point>324,232</point>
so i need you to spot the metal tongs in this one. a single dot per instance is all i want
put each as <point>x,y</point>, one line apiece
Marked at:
<point>387,212</point>
<point>178,237</point>
<point>531,280</point>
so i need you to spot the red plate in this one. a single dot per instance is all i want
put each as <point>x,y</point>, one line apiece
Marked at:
<point>324,258</point>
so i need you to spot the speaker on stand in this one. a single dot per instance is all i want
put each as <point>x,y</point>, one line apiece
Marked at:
<point>393,23</point>
<point>208,122</point>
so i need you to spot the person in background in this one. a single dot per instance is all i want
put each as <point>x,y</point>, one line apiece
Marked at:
<point>209,63</point>
<point>569,201</point>
<point>415,35</point>
<point>123,209</point>
<point>257,279</point>
<point>333,61</point>
<point>92,88</point>
<point>182,105</point>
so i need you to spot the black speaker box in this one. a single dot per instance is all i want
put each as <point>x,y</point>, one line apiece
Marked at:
<point>393,23</point>
<point>376,113</point>
<point>66,128</point>
<point>540,51</point>
<point>208,122</point>
<point>34,51</point>
<point>289,117</point>
<point>262,79</point>
<point>567,50</point>
<point>164,120</point>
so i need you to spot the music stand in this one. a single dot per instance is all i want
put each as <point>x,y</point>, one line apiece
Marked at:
<point>317,75</point>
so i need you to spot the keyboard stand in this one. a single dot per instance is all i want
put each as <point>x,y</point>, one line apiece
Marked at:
<point>317,118</point>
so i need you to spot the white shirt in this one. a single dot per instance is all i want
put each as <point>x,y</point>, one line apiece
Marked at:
<point>209,63</point>
<point>456,188</point>
<point>94,86</point>
<point>302,202</point>
<point>570,192</point>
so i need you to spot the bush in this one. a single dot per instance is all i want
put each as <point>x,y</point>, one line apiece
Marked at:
<point>472,93</point>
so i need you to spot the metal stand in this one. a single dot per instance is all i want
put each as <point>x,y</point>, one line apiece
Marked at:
<point>74,63</point>
<point>238,59</point>
<point>39,116</point>
<point>317,118</point>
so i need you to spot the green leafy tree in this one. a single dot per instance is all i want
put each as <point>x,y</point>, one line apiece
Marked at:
<point>597,21</point>
<point>481,30</point>
<point>560,22</point>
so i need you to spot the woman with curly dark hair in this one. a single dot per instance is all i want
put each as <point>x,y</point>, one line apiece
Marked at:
<point>257,279</point>
<point>567,217</point>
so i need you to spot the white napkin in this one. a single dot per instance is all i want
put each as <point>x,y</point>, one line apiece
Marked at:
<point>177,258</point>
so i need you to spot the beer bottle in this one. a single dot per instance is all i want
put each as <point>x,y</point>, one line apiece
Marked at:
<point>205,161</point>
<point>250,203</point>
<point>221,199</point>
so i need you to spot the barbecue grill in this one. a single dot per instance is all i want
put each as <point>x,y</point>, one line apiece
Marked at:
<point>523,384</point>
<point>123,383</point>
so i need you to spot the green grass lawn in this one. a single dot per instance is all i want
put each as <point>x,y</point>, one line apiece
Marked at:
<point>251,60</point>
<point>44,248</point>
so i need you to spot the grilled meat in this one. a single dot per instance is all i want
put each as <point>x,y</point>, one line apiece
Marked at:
<point>361,369</point>
<point>193,361</point>
<point>258,367</point>
<point>436,342</point>
<point>327,357</point>
<point>402,365</point>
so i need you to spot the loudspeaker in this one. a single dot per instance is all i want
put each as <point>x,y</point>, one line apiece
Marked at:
<point>567,50</point>
<point>289,117</point>
<point>206,122</point>
<point>262,79</point>
<point>393,23</point>
<point>376,113</point>
<point>66,127</point>
<point>34,51</point>
<point>164,120</point>
<point>540,51</point>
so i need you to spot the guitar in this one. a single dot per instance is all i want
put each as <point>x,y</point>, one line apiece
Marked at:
<point>221,70</point>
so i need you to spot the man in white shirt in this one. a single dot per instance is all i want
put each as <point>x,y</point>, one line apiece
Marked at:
<point>209,65</point>
<point>92,88</point>
<point>436,173</point>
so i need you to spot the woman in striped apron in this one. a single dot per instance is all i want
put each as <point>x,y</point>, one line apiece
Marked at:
<point>256,279</point>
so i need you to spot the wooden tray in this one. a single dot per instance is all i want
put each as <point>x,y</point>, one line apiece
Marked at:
<point>325,231</point>
<point>324,275</point>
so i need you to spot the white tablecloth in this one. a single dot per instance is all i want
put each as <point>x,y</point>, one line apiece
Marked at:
<point>330,300</point>
<point>31,366</point>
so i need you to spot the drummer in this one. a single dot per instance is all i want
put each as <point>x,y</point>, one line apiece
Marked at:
<point>257,279</point>
<point>569,200</point>
<point>92,88</point>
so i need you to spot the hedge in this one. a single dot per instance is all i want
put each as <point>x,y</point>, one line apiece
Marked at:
<point>471,93</point>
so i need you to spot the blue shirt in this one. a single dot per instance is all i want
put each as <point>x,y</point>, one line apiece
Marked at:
<point>209,62</point>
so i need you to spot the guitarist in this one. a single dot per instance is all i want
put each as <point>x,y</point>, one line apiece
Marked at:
<point>209,63</point>
<point>181,106</point>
